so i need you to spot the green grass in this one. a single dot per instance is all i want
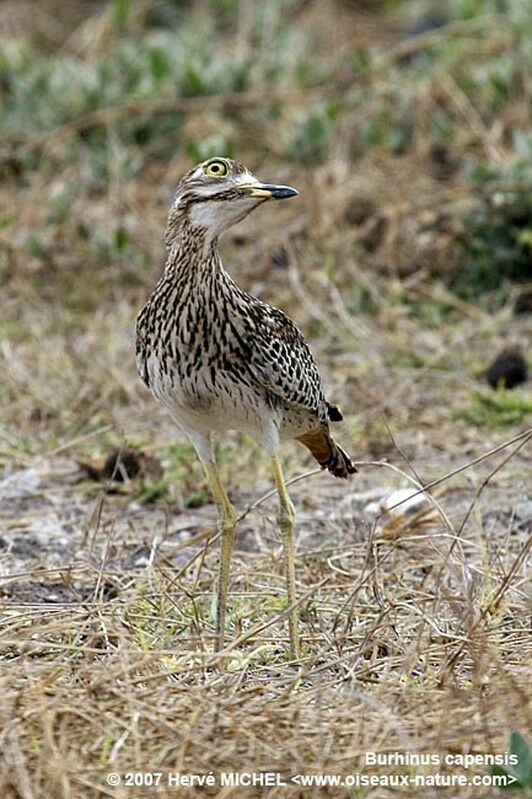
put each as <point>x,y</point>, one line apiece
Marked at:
<point>497,409</point>
<point>521,771</point>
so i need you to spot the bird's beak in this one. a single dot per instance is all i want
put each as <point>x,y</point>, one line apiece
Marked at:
<point>269,191</point>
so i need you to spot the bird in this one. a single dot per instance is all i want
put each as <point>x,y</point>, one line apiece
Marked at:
<point>221,359</point>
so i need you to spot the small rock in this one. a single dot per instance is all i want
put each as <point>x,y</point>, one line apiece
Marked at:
<point>407,500</point>
<point>121,465</point>
<point>523,303</point>
<point>508,369</point>
<point>125,464</point>
<point>19,484</point>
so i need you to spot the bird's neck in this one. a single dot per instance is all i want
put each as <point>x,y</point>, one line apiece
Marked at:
<point>193,254</point>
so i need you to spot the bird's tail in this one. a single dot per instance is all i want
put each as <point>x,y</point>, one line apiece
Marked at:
<point>328,453</point>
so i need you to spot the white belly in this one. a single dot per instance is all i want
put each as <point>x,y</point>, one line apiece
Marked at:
<point>201,409</point>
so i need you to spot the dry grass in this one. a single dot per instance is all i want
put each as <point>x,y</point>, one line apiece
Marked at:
<point>417,642</point>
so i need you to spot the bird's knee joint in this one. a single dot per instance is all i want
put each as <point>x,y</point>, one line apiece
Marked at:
<point>286,518</point>
<point>228,519</point>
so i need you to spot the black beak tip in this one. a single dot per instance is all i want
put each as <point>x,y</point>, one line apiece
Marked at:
<point>283,192</point>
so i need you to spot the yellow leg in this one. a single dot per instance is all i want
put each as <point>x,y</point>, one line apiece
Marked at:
<point>227,524</point>
<point>286,524</point>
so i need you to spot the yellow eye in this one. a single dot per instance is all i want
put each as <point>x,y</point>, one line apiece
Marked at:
<point>216,169</point>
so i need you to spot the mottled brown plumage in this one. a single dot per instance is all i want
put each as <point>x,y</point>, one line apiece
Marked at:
<point>204,345</point>
<point>216,356</point>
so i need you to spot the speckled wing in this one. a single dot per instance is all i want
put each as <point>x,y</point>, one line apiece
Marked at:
<point>281,361</point>
<point>140,346</point>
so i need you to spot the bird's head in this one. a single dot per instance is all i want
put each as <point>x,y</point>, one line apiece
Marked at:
<point>218,193</point>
